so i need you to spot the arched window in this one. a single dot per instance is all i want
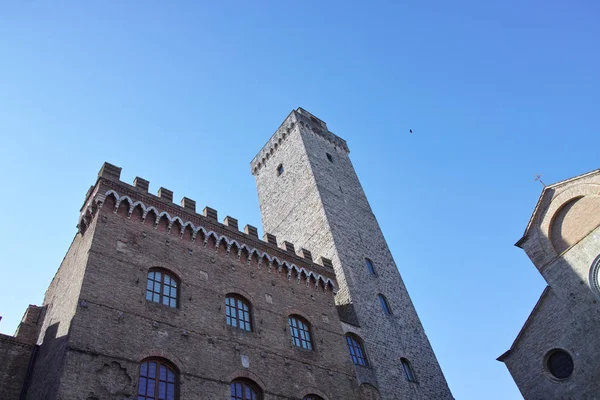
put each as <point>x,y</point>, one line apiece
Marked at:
<point>279,169</point>
<point>384,304</point>
<point>357,352</point>
<point>237,312</point>
<point>312,397</point>
<point>162,288</point>
<point>300,330</point>
<point>244,389</point>
<point>370,266</point>
<point>408,371</point>
<point>158,380</point>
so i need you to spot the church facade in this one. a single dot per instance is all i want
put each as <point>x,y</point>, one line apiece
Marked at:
<point>555,354</point>
<point>156,301</point>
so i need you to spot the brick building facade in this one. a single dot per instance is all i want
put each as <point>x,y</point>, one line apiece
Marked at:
<point>154,300</point>
<point>554,354</point>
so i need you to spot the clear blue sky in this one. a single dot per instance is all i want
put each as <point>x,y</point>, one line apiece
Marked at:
<point>184,94</point>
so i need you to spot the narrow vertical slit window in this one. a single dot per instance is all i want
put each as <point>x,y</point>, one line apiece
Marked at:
<point>370,266</point>
<point>408,371</point>
<point>384,304</point>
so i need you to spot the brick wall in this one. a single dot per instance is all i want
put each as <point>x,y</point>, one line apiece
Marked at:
<point>14,361</point>
<point>60,303</point>
<point>114,327</point>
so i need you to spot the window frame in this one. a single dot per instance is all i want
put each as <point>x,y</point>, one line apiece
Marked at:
<point>550,367</point>
<point>246,383</point>
<point>160,362</point>
<point>370,266</point>
<point>385,304</point>
<point>357,345</point>
<point>245,302</point>
<point>302,333</point>
<point>409,372</point>
<point>172,279</point>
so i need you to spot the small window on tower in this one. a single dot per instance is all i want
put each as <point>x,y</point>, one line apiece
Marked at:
<point>384,304</point>
<point>280,170</point>
<point>329,157</point>
<point>370,266</point>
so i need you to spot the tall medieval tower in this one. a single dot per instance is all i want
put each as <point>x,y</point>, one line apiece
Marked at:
<point>310,195</point>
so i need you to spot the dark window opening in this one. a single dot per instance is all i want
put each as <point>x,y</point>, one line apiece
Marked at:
<point>158,381</point>
<point>408,371</point>
<point>560,364</point>
<point>357,352</point>
<point>329,157</point>
<point>244,389</point>
<point>300,331</point>
<point>370,266</point>
<point>312,397</point>
<point>384,304</point>
<point>280,170</point>
<point>161,288</point>
<point>237,312</point>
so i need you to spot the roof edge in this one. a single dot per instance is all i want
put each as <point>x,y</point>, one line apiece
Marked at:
<point>544,190</point>
<point>502,357</point>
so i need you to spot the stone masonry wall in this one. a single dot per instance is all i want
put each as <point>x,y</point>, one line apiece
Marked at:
<point>14,361</point>
<point>115,327</point>
<point>60,303</point>
<point>347,234</point>
<point>567,318</point>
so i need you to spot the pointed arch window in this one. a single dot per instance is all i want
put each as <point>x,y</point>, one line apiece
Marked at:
<point>370,266</point>
<point>237,312</point>
<point>162,287</point>
<point>384,304</point>
<point>356,349</point>
<point>158,380</point>
<point>245,389</point>
<point>408,371</point>
<point>300,330</point>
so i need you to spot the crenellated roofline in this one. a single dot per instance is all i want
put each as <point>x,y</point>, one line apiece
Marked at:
<point>161,208</point>
<point>296,118</point>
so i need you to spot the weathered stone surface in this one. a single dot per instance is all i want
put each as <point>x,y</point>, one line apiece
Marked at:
<point>563,241</point>
<point>319,204</point>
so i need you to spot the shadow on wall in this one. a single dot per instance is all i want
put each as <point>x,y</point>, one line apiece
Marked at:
<point>563,242</point>
<point>47,366</point>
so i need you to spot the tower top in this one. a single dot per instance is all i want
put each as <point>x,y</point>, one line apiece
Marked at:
<point>297,118</point>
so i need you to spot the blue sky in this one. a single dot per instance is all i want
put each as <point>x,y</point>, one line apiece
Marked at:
<point>184,94</point>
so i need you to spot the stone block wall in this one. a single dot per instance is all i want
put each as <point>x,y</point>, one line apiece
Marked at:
<point>566,318</point>
<point>318,203</point>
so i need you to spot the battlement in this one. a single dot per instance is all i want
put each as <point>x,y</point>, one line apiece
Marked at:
<point>297,119</point>
<point>185,221</point>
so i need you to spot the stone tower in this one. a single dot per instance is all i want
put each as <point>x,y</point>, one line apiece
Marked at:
<point>310,195</point>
